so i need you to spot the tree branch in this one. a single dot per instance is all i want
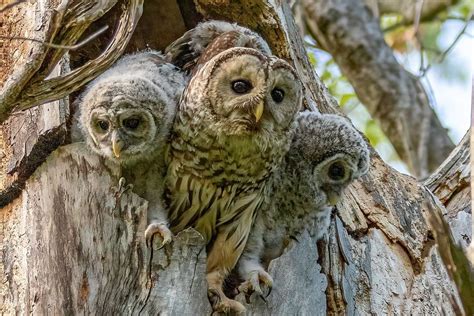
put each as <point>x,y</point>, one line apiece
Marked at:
<point>394,97</point>
<point>52,45</point>
<point>407,8</point>
<point>10,5</point>
<point>445,53</point>
<point>69,23</point>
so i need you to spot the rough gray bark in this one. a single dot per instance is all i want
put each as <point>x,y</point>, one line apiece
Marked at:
<point>470,250</point>
<point>451,229</point>
<point>351,33</point>
<point>72,248</point>
<point>71,245</point>
<point>451,183</point>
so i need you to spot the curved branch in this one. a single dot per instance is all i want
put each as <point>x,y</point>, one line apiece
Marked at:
<point>74,21</point>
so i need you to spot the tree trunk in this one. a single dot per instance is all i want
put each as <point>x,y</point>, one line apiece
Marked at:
<point>351,33</point>
<point>71,244</point>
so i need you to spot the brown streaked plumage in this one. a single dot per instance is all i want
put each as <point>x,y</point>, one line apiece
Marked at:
<point>231,130</point>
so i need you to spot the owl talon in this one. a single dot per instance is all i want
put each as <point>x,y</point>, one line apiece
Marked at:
<point>270,288</point>
<point>162,230</point>
<point>123,187</point>
<point>223,305</point>
<point>256,280</point>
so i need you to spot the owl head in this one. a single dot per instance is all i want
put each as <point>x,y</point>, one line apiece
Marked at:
<point>126,112</point>
<point>244,93</point>
<point>209,38</point>
<point>332,149</point>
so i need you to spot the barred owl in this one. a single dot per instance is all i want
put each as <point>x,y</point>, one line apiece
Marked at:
<point>126,115</point>
<point>207,39</point>
<point>325,156</point>
<point>231,130</point>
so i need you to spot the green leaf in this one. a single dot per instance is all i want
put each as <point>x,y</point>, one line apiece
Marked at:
<point>346,98</point>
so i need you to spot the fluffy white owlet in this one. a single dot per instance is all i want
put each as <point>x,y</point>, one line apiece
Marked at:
<point>207,39</point>
<point>126,115</point>
<point>231,130</point>
<point>327,153</point>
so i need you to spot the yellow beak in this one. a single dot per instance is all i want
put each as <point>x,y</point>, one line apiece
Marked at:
<point>259,111</point>
<point>333,198</point>
<point>117,147</point>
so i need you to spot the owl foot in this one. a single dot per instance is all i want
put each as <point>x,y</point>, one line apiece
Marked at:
<point>160,228</point>
<point>122,187</point>
<point>254,283</point>
<point>222,305</point>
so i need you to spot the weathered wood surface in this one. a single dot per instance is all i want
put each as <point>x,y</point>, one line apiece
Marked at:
<point>27,139</point>
<point>451,184</point>
<point>25,133</point>
<point>69,245</point>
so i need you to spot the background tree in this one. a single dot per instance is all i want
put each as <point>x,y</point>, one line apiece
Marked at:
<point>71,244</point>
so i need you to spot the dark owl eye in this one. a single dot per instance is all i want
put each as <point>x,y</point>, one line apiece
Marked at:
<point>278,95</point>
<point>131,123</point>
<point>241,86</point>
<point>104,125</point>
<point>336,171</point>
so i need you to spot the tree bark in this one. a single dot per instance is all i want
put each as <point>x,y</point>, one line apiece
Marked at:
<point>351,33</point>
<point>71,244</point>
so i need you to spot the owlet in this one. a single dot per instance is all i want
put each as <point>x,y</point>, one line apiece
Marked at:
<point>126,115</point>
<point>327,153</point>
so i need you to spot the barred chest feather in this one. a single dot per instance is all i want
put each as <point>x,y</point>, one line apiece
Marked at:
<point>213,182</point>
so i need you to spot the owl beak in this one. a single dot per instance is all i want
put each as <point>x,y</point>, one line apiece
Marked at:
<point>333,198</point>
<point>259,111</point>
<point>117,148</point>
<point>117,145</point>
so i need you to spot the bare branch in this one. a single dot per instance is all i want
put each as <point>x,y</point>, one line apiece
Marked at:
<point>59,87</point>
<point>70,47</point>
<point>418,10</point>
<point>11,5</point>
<point>405,8</point>
<point>78,17</point>
<point>445,53</point>
<point>393,96</point>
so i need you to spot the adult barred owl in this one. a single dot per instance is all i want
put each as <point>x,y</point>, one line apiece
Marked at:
<point>231,131</point>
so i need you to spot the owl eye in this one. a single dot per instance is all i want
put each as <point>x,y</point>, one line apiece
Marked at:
<point>241,86</point>
<point>337,171</point>
<point>278,95</point>
<point>104,125</point>
<point>131,123</point>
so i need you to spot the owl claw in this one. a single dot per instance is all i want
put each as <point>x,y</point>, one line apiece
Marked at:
<point>123,187</point>
<point>160,228</point>
<point>256,280</point>
<point>223,305</point>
